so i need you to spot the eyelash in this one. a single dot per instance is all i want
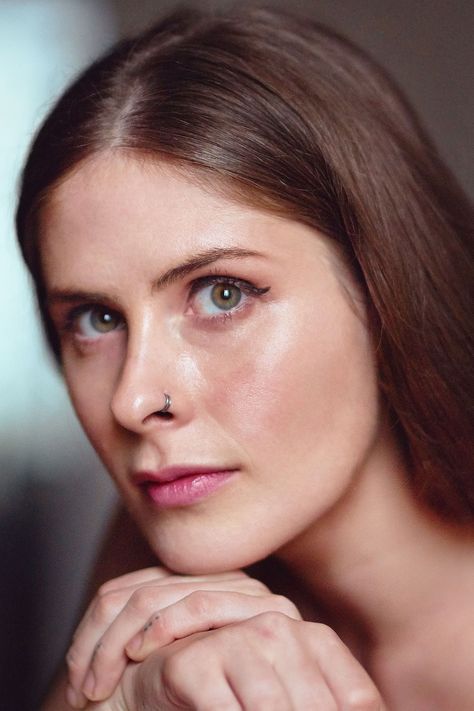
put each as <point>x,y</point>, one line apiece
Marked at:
<point>70,324</point>
<point>71,318</point>
<point>212,279</point>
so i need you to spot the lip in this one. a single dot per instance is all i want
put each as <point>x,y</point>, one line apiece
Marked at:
<point>181,485</point>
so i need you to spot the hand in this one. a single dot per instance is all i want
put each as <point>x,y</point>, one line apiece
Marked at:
<point>269,661</point>
<point>128,605</point>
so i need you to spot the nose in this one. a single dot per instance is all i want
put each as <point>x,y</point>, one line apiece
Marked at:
<point>151,390</point>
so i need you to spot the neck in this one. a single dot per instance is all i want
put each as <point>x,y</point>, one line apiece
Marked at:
<point>380,562</point>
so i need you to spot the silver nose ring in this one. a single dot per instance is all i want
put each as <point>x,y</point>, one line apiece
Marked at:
<point>166,406</point>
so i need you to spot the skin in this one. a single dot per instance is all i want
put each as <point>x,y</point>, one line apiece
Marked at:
<point>284,393</point>
<point>238,399</point>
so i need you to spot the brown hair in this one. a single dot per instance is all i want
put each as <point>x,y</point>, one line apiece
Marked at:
<point>301,122</point>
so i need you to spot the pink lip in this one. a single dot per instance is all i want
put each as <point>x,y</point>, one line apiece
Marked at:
<point>181,485</point>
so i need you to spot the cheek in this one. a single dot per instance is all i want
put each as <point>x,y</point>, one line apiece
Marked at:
<point>90,384</point>
<point>304,391</point>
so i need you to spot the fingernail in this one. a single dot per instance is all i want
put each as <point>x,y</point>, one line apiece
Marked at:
<point>89,684</point>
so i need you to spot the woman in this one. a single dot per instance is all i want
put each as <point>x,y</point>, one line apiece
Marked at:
<point>253,270</point>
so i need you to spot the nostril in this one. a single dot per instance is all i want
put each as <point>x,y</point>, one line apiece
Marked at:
<point>164,415</point>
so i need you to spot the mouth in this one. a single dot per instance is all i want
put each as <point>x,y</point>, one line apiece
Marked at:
<point>180,486</point>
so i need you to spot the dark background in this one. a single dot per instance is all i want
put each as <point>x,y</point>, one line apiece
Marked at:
<point>50,525</point>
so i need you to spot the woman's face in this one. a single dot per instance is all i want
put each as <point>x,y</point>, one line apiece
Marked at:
<point>158,286</point>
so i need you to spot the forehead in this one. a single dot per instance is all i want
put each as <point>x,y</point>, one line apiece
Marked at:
<point>115,204</point>
<point>131,188</point>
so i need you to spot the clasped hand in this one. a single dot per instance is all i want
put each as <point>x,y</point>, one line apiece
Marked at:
<point>151,640</point>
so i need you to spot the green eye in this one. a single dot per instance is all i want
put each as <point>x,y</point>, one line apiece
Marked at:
<point>98,321</point>
<point>219,295</point>
<point>226,296</point>
<point>103,321</point>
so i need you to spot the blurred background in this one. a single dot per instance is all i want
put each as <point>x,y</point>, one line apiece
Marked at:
<point>54,497</point>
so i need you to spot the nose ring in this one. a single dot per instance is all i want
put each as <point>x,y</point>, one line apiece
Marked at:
<point>166,406</point>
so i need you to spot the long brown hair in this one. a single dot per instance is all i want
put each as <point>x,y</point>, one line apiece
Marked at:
<point>299,121</point>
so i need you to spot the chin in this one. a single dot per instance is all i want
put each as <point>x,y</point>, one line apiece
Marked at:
<point>195,555</point>
<point>197,562</point>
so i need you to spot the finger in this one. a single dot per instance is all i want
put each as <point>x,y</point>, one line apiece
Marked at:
<point>137,577</point>
<point>279,637</point>
<point>110,601</point>
<point>96,657</point>
<point>208,577</point>
<point>111,597</point>
<point>114,594</point>
<point>187,674</point>
<point>200,611</point>
<point>125,585</point>
<point>200,688</point>
<point>75,699</point>
<point>86,641</point>
<point>302,678</point>
<point>159,575</point>
<point>350,684</point>
<point>197,611</point>
<point>307,689</point>
<point>255,683</point>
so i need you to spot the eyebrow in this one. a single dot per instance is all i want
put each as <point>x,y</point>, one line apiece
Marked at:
<point>170,276</point>
<point>202,259</point>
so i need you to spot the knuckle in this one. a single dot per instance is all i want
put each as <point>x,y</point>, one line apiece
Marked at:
<point>143,600</point>
<point>327,635</point>
<point>256,586</point>
<point>275,619</point>
<point>284,605</point>
<point>200,603</point>
<point>107,606</point>
<point>322,639</point>
<point>75,666</point>
<point>270,624</point>
<point>105,588</point>
<point>363,699</point>
<point>174,669</point>
<point>73,660</point>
